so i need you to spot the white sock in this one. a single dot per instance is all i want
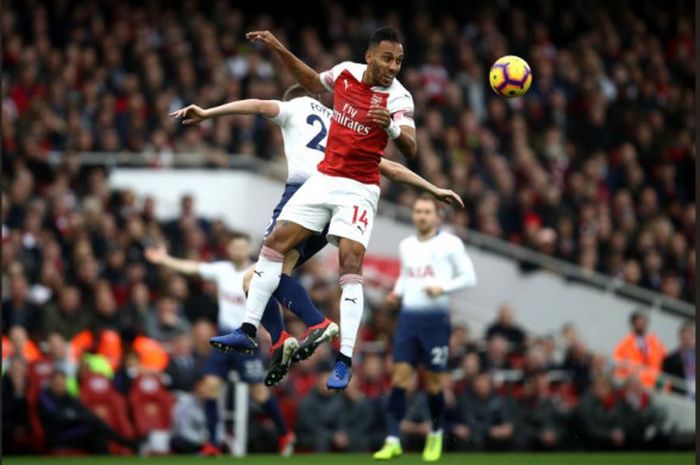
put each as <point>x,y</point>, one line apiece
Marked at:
<point>352,303</point>
<point>392,440</point>
<point>266,278</point>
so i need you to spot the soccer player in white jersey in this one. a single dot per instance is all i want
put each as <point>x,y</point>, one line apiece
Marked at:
<point>304,122</point>
<point>229,276</point>
<point>370,107</point>
<point>434,264</point>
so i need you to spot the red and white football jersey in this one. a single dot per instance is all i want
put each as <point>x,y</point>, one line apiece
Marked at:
<point>355,143</point>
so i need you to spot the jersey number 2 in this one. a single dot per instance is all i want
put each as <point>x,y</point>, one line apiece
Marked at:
<point>315,143</point>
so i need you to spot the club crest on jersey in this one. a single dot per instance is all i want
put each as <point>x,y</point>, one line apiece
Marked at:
<point>421,272</point>
<point>376,99</point>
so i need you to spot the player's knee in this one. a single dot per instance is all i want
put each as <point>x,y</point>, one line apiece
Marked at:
<point>401,377</point>
<point>260,393</point>
<point>434,383</point>
<point>209,388</point>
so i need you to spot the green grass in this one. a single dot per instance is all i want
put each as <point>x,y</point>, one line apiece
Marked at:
<point>362,459</point>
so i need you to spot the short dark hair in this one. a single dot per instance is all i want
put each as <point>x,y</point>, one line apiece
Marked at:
<point>384,33</point>
<point>296,91</point>
<point>425,197</point>
<point>638,313</point>
<point>239,235</point>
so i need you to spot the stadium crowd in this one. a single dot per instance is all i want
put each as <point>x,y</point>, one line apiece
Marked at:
<point>595,165</point>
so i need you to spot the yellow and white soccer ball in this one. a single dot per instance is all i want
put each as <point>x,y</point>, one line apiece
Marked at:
<point>510,76</point>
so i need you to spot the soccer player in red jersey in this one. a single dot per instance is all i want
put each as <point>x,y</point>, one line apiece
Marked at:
<point>370,106</point>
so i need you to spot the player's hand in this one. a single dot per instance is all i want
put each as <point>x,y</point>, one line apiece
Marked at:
<point>192,114</point>
<point>265,37</point>
<point>156,254</point>
<point>449,197</point>
<point>392,299</point>
<point>380,115</point>
<point>434,291</point>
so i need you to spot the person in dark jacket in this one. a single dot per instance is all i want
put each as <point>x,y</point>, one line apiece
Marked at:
<point>681,362</point>
<point>602,416</point>
<point>68,423</point>
<point>15,414</point>
<point>506,326</point>
<point>540,424</point>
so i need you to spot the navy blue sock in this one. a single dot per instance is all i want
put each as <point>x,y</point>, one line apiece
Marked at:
<point>272,408</point>
<point>211,411</point>
<point>272,319</point>
<point>436,404</point>
<point>396,410</point>
<point>292,295</point>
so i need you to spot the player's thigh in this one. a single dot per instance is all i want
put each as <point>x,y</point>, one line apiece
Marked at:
<point>286,235</point>
<point>259,393</point>
<point>311,247</point>
<point>291,259</point>
<point>401,374</point>
<point>434,381</point>
<point>354,210</point>
<point>306,209</point>
<point>210,385</point>
<point>405,348</point>
<point>434,342</point>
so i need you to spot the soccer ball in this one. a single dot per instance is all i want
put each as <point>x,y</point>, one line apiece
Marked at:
<point>510,76</point>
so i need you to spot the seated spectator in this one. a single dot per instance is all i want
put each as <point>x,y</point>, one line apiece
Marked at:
<point>681,362</point>
<point>18,343</point>
<point>106,314</point>
<point>133,314</point>
<point>17,310</point>
<point>496,356</point>
<point>540,424</point>
<point>644,419</point>
<point>189,430</point>
<point>68,423</point>
<point>329,422</point>
<point>488,419</point>
<point>460,344</point>
<point>505,326</point>
<point>602,416</point>
<point>577,363</point>
<point>166,322</point>
<point>16,429</point>
<point>373,380</point>
<point>639,352</point>
<point>68,317</point>
<point>186,366</point>
<point>104,342</point>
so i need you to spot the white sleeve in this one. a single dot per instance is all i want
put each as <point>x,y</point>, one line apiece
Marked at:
<point>400,286</point>
<point>464,276</point>
<point>328,78</point>
<point>401,108</point>
<point>285,110</point>
<point>212,270</point>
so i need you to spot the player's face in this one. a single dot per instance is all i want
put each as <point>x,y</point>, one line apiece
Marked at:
<point>239,250</point>
<point>384,62</point>
<point>425,215</point>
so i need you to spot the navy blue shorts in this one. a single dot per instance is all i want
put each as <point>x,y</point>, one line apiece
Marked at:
<point>310,246</point>
<point>423,337</point>
<point>249,367</point>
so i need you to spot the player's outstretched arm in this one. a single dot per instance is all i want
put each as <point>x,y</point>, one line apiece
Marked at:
<point>404,136</point>
<point>193,114</point>
<point>159,256</point>
<point>302,72</point>
<point>399,173</point>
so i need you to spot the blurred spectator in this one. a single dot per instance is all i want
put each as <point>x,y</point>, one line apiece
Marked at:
<point>166,322</point>
<point>644,420</point>
<point>640,352</point>
<point>68,317</point>
<point>186,366</point>
<point>68,423</point>
<point>602,416</point>
<point>18,310</point>
<point>488,418</point>
<point>681,362</point>
<point>505,326</point>
<point>16,429</point>
<point>540,424</point>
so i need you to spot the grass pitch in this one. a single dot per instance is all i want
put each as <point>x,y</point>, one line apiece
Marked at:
<point>366,459</point>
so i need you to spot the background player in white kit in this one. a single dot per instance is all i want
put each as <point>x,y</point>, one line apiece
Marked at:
<point>369,107</point>
<point>434,264</point>
<point>229,276</point>
<point>304,122</point>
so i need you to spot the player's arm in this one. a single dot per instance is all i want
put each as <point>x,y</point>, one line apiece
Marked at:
<point>159,256</point>
<point>404,136</point>
<point>464,274</point>
<point>393,299</point>
<point>193,114</point>
<point>397,172</point>
<point>302,72</point>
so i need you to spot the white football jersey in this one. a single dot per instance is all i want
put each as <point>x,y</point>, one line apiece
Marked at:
<point>229,282</point>
<point>439,261</point>
<point>305,123</point>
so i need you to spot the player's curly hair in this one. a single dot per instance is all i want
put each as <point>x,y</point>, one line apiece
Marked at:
<point>384,33</point>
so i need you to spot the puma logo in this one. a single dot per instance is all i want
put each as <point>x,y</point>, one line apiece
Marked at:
<point>351,300</point>
<point>361,230</point>
<point>259,273</point>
